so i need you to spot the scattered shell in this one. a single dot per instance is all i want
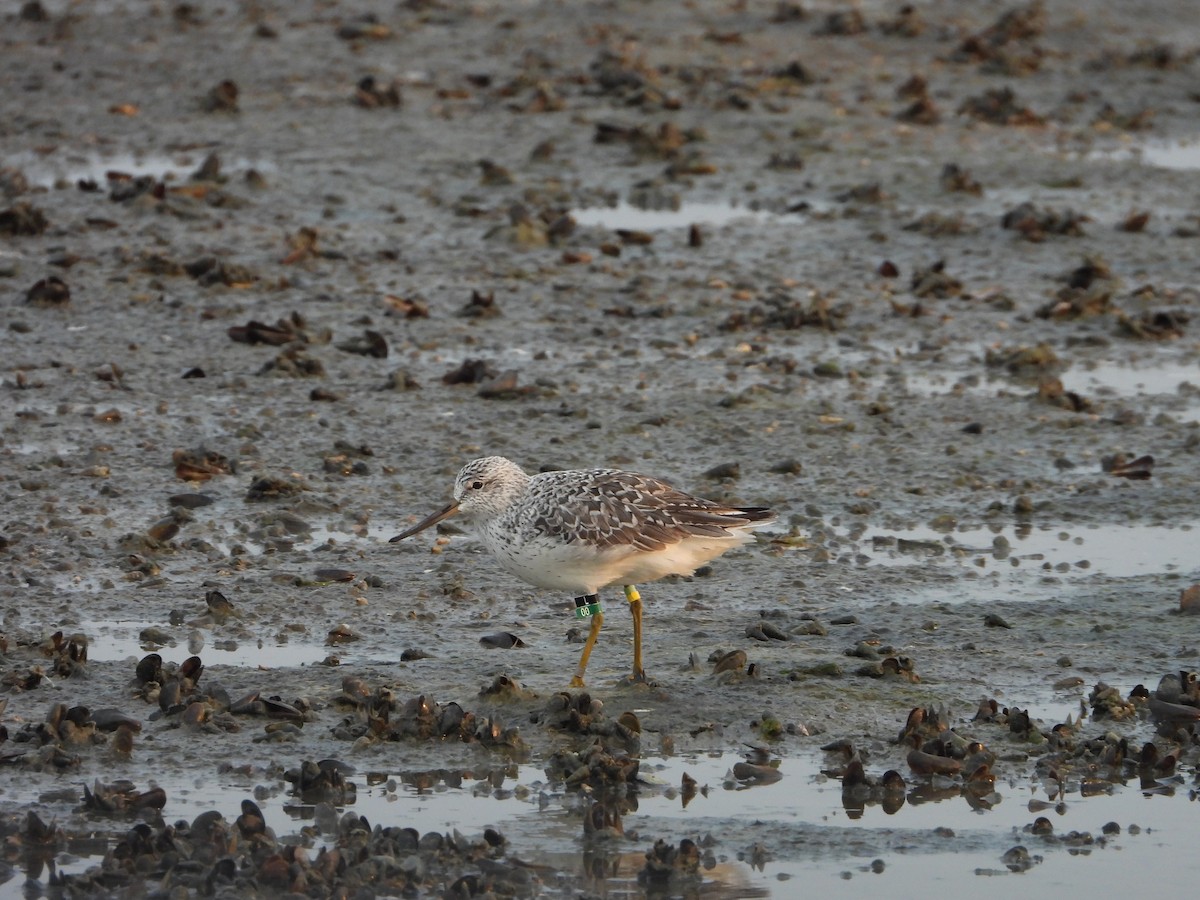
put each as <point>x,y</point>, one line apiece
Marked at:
<point>1189,599</point>
<point>341,634</point>
<point>733,661</point>
<point>1118,465</point>
<point>502,640</point>
<point>49,292</point>
<point>23,219</point>
<point>333,575</point>
<point>222,97</point>
<point>751,773</point>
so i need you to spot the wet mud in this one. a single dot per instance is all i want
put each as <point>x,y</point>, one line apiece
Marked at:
<point>921,278</point>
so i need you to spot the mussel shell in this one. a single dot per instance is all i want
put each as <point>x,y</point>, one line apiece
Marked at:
<point>451,719</point>
<point>149,669</point>
<point>733,661</point>
<point>155,798</point>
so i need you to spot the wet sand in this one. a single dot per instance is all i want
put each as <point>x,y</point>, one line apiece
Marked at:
<point>923,283</point>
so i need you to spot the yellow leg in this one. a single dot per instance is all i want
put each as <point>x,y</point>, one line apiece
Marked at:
<point>635,607</point>
<point>597,621</point>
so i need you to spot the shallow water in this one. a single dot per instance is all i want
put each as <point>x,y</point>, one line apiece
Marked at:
<point>71,168</point>
<point>119,640</point>
<point>1124,379</point>
<point>1181,154</point>
<point>625,215</point>
<point>1140,377</point>
<point>1113,550</point>
<point>808,833</point>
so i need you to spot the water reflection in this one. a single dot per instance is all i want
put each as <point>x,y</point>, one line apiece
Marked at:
<point>118,641</point>
<point>731,824</point>
<point>548,825</point>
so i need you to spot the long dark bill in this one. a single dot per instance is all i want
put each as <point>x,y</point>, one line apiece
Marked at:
<point>426,523</point>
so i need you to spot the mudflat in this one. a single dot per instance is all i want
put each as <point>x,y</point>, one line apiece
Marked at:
<point>920,278</point>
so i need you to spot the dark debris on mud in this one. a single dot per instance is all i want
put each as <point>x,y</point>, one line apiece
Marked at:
<point>308,290</point>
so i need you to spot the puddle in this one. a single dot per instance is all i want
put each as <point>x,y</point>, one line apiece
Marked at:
<point>1163,378</point>
<point>625,215</point>
<point>119,641</point>
<point>47,171</point>
<point>807,828</point>
<point>1171,381</point>
<point>1118,551</point>
<point>1162,154</point>
<point>51,446</point>
<point>1132,381</point>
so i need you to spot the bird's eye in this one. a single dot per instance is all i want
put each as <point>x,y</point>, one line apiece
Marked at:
<point>477,485</point>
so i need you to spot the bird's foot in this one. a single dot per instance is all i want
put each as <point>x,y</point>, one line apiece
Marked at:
<point>639,677</point>
<point>577,681</point>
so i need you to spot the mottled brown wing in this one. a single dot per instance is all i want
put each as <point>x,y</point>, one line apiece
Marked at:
<point>617,509</point>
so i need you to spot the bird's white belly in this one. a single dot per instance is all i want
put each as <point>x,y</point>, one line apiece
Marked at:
<point>580,568</point>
